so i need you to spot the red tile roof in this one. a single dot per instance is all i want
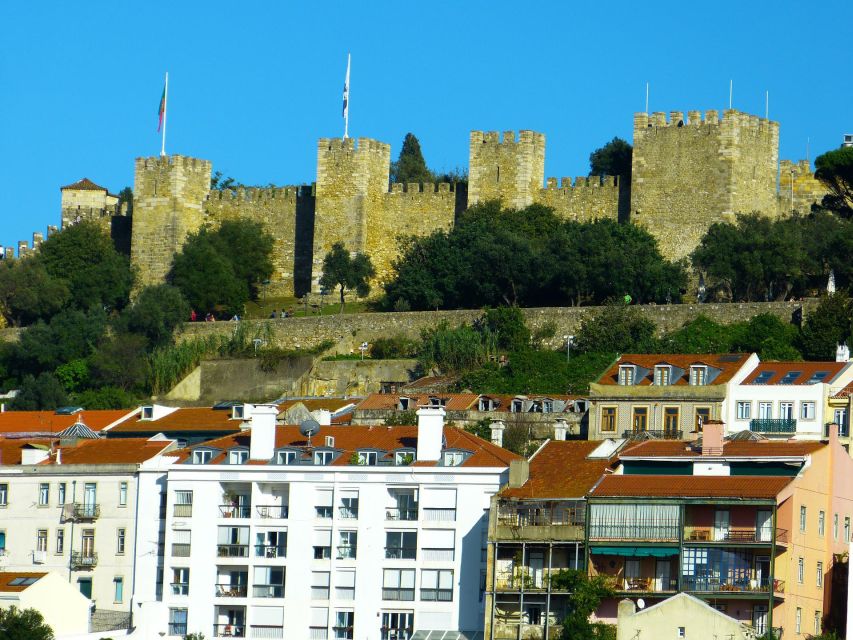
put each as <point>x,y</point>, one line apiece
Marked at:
<point>8,576</point>
<point>806,369</point>
<point>10,448</point>
<point>561,469</point>
<point>183,419</point>
<point>690,486</point>
<point>846,392</point>
<point>312,404</point>
<point>752,449</point>
<point>83,184</point>
<point>390,401</point>
<point>118,451</point>
<point>728,363</point>
<point>353,438</point>
<point>51,422</point>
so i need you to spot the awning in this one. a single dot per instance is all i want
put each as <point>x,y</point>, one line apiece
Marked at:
<point>636,552</point>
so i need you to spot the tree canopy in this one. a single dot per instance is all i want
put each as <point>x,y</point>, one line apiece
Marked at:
<point>23,624</point>
<point>613,159</point>
<point>29,293</point>
<point>410,166</point>
<point>835,170</point>
<point>156,312</point>
<point>347,272</point>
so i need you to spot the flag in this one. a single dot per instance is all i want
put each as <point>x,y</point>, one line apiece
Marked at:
<point>162,110</point>
<point>345,111</point>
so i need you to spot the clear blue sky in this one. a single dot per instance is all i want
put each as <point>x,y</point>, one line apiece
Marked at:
<point>253,85</point>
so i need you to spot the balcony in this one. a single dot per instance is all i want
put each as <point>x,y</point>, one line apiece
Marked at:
<point>773,425</point>
<point>747,584</point>
<point>232,550</point>
<point>539,523</point>
<point>407,515</point>
<point>347,551</point>
<point>229,631</point>
<point>81,511</point>
<point>525,579</point>
<point>348,513</point>
<point>658,530</point>
<point>265,632</point>
<point>229,590</point>
<point>657,434</point>
<point>279,512</point>
<point>644,584</point>
<point>80,560</point>
<point>270,551</point>
<point>180,588</point>
<point>268,591</point>
<point>401,553</point>
<point>735,535</point>
<point>235,511</point>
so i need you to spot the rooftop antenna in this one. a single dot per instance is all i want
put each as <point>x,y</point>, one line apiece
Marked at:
<point>647,97</point>
<point>308,428</point>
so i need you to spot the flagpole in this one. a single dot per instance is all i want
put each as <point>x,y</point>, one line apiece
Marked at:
<point>647,97</point>
<point>346,101</point>
<point>165,109</point>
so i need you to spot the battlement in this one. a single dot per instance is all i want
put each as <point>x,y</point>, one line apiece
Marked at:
<point>260,194</point>
<point>164,162</point>
<point>731,117</point>
<point>525,137</point>
<point>422,187</point>
<point>583,182</point>
<point>353,146</point>
<point>798,168</point>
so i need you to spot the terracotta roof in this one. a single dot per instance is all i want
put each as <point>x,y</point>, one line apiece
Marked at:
<point>353,438</point>
<point>751,449</point>
<point>312,404</point>
<point>51,422</point>
<point>118,451</point>
<point>10,448</point>
<point>690,486</point>
<point>7,577</point>
<point>846,392</point>
<point>183,419</point>
<point>806,371</point>
<point>389,401</point>
<point>83,184</point>
<point>561,470</point>
<point>728,363</point>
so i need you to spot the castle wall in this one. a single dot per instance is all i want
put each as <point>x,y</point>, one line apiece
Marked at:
<point>689,173</point>
<point>589,199</point>
<point>807,190</point>
<point>506,169</point>
<point>168,195</point>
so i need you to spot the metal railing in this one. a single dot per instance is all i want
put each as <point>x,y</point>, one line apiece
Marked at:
<point>347,551</point>
<point>740,535</point>
<point>82,560</point>
<point>744,584</point>
<point>232,550</point>
<point>398,594</point>
<point>348,513</point>
<point>270,551</point>
<point>229,590</point>
<point>180,589</point>
<point>87,511</point>
<point>436,515</point>
<point>393,513</point>
<point>278,511</point>
<point>526,578</point>
<point>183,511</point>
<point>401,553</point>
<point>268,591</point>
<point>235,511</point>
<point>229,631</point>
<point>265,631</point>
<point>633,529</point>
<point>660,434</point>
<point>543,518</point>
<point>773,425</point>
<point>437,595</point>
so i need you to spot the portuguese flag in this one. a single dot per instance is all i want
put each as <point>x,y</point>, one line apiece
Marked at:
<point>162,110</point>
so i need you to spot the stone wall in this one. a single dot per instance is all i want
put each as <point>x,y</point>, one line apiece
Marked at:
<point>589,199</point>
<point>507,169</point>
<point>806,191</point>
<point>354,377</point>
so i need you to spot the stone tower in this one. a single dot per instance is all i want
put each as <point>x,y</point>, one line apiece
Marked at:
<point>689,173</point>
<point>168,204</point>
<point>507,170</point>
<point>352,181</point>
<point>85,200</point>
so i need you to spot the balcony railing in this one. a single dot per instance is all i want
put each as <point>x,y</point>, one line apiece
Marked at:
<point>406,595</point>
<point>660,434</point>
<point>436,515</point>
<point>229,631</point>
<point>401,553</point>
<point>348,513</point>
<point>647,584</point>
<point>268,591</point>
<point>541,518</point>
<point>633,529</point>
<point>232,550</point>
<point>744,584</point>
<point>82,560</point>
<point>393,513</point>
<point>265,631</point>
<point>773,425</point>
<point>235,511</point>
<point>183,511</point>
<point>180,588</point>
<point>740,535</point>
<point>347,551</point>
<point>525,578</point>
<point>85,511</point>
<point>843,429</point>
<point>231,590</point>
<point>178,629</point>
<point>270,551</point>
<point>279,511</point>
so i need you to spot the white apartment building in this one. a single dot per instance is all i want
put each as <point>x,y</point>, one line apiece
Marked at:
<point>787,399</point>
<point>367,532</point>
<point>70,506</point>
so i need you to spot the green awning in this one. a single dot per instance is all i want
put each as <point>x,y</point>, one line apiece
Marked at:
<point>636,552</point>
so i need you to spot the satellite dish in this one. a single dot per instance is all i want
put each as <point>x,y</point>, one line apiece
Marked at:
<point>308,428</point>
<point>641,604</point>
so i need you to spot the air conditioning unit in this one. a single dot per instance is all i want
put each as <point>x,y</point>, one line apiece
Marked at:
<point>330,441</point>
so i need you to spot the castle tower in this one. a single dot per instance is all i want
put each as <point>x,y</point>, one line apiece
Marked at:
<point>352,180</point>
<point>687,174</point>
<point>798,188</point>
<point>507,170</point>
<point>85,200</point>
<point>168,199</point>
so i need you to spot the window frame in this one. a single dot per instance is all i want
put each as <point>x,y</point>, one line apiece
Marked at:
<point>121,540</point>
<point>807,410</point>
<point>608,418</point>
<point>122,493</point>
<point>238,456</point>
<point>286,457</point>
<point>696,412</point>
<point>739,408</point>
<point>438,573</point>
<point>201,456</point>
<point>44,494</point>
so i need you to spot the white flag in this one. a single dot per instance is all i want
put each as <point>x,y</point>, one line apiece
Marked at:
<point>346,92</point>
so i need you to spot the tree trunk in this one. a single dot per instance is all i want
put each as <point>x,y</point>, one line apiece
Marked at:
<point>342,298</point>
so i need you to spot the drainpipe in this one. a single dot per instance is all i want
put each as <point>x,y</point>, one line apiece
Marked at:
<point>682,516</point>
<point>494,586</point>
<point>772,574</point>
<point>73,518</point>
<point>521,591</point>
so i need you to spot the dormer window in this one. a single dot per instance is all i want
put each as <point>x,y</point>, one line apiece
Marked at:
<point>698,375</point>
<point>404,403</point>
<point>367,458</point>
<point>486,404</point>
<point>517,406</point>
<point>626,374</point>
<point>663,375</point>
<point>202,456</point>
<point>237,412</point>
<point>147,413</point>
<point>547,405</point>
<point>435,401</point>
<point>453,458</point>
<point>286,457</point>
<point>238,456</point>
<point>323,457</point>
<point>404,458</point>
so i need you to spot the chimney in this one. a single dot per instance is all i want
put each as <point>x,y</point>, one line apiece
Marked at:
<point>58,455</point>
<point>624,611</point>
<point>262,438</point>
<point>519,472</point>
<point>712,438</point>
<point>561,427</point>
<point>842,353</point>
<point>498,427</point>
<point>430,433</point>
<point>832,433</point>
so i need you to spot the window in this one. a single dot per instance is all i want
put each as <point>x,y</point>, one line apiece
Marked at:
<point>802,518</point>
<point>238,457</point>
<point>437,584</point>
<point>322,544</point>
<point>786,410</point>
<point>681,632</point>
<point>790,377</point>
<point>698,375</point>
<point>437,545</point>
<point>703,414</point>
<point>85,586</point>
<point>183,504</point>
<point>662,374</point>
<point>819,574</point>
<point>60,493</point>
<point>608,418</point>
<point>764,377</point>
<point>765,410</point>
<point>398,584</point>
<point>345,584</point>
<point>118,589</point>
<point>122,494</point>
<point>398,625</point>
<point>4,494</point>
<point>88,547</point>
<point>41,540</point>
<point>640,420</point>
<point>403,458</point>
<point>181,581</point>
<point>44,494</point>
<point>60,541</point>
<point>120,537</point>
<point>349,504</point>
<point>821,523</point>
<point>401,545</point>
<point>367,458</point>
<point>744,410</point>
<point>671,420</point>
<point>807,410</point>
<point>181,543</point>
<point>547,405</point>
<point>202,457</point>
<point>817,376</point>
<point>801,570</point>
<point>846,528</point>
<point>323,457</point>
<point>319,585</point>
<point>798,620</point>
<point>323,503</point>
<point>269,582</point>
<point>344,621</point>
<point>453,458</point>
<point>147,414</point>
<point>347,545</point>
<point>177,622</point>
<point>626,375</point>
<point>835,526</point>
<point>285,457</point>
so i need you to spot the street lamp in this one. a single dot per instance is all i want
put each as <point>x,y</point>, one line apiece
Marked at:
<point>569,341</point>
<point>363,348</point>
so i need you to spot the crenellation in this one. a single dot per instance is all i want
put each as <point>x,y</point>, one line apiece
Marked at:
<point>9,253</point>
<point>694,118</point>
<point>712,116</point>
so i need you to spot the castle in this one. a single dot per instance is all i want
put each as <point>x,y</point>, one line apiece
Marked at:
<point>687,173</point>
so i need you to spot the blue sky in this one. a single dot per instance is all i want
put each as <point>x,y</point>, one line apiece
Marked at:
<point>253,85</point>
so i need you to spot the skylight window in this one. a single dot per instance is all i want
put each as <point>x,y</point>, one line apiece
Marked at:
<point>790,377</point>
<point>818,376</point>
<point>763,377</point>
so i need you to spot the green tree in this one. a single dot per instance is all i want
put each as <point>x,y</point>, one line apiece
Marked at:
<point>125,196</point>
<point>347,272</point>
<point>613,159</point>
<point>23,624</point>
<point>73,375</point>
<point>84,256</point>
<point>827,326</point>
<point>106,398</point>
<point>70,335</point>
<point>29,293</point>
<point>44,392</point>
<point>766,335</point>
<point>585,595</point>
<point>453,350</point>
<point>618,328</point>
<point>835,170</point>
<point>410,166</point>
<point>699,335</point>
<point>249,248</point>
<point>156,312</point>
<point>120,361</point>
<point>402,418</point>
<point>507,325</point>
